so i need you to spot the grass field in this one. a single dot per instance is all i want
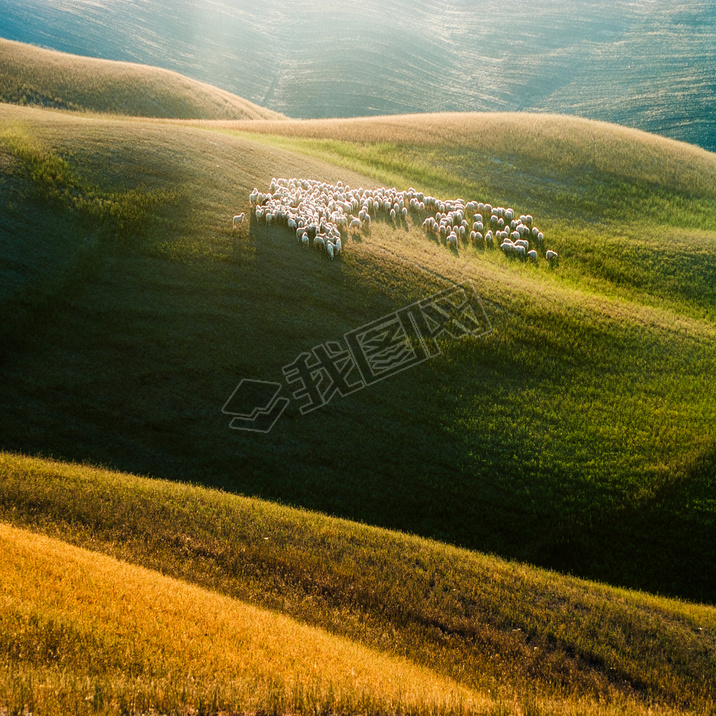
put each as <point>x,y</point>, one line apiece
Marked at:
<point>416,626</point>
<point>34,76</point>
<point>580,435</point>
<point>645,65</point>
<point>102,636</point>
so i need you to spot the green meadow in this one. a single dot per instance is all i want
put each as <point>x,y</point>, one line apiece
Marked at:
<point>484,518</point>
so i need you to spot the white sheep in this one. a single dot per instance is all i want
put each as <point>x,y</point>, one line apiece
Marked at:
<point>532,255</point>
<point>238,219</point>
<point>551,256</point>
<point>318,211</point>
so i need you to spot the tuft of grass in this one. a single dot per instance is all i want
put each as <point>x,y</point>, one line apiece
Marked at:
<point>123,214</point>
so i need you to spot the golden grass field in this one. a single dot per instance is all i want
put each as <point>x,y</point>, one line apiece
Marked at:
<point>136,639</point>
<point>89,633</point>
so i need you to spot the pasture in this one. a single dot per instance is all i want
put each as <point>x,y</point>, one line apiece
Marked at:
<point>45,78</point>
<point>578,436</point>
<point>229,604</point>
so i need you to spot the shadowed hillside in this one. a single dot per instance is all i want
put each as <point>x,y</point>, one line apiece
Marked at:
<point>580,435</point>
<point>645,65</point>
<point>33,76</point>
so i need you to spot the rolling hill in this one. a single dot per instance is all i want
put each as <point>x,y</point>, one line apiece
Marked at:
<point>645,65</point>
<point>463,537</point>
<point>203,599</point>
<point>46,78</point>
<point>579,436</point>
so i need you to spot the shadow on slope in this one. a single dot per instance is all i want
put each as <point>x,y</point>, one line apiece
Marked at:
<point>502,444</point>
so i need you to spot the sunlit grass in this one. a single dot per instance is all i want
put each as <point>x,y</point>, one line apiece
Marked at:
<point>630,214</point>
<point>499,628</point>
<point>87,633</point>
<point>579,434</point>
<point>32,75</point>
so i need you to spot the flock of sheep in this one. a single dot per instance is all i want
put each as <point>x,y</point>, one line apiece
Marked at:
<point>321,213</point>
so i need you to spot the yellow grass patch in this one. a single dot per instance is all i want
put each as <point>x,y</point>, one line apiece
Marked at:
<point>168,632</point>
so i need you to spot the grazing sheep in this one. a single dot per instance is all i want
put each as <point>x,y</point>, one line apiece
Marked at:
<point>551,256</point>
<point>532,256</point>
<point>318,211</point>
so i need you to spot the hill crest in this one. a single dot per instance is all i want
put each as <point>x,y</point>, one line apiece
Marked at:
<point>31,75</point>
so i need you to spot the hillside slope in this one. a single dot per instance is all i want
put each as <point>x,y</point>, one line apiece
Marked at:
<point>136,639</point>
<point>415,622</point>
<point>646,65</point>
<point>46,78</point>
<point>579,435</point>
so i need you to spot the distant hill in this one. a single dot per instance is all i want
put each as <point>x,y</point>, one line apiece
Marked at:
<point>35,76</point>
<point>644,65</point>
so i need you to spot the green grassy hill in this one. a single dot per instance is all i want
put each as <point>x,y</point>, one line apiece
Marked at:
<point>34,76</point>
<point>282,610</point>
<point>580,435</point>
<point>646,65</point>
